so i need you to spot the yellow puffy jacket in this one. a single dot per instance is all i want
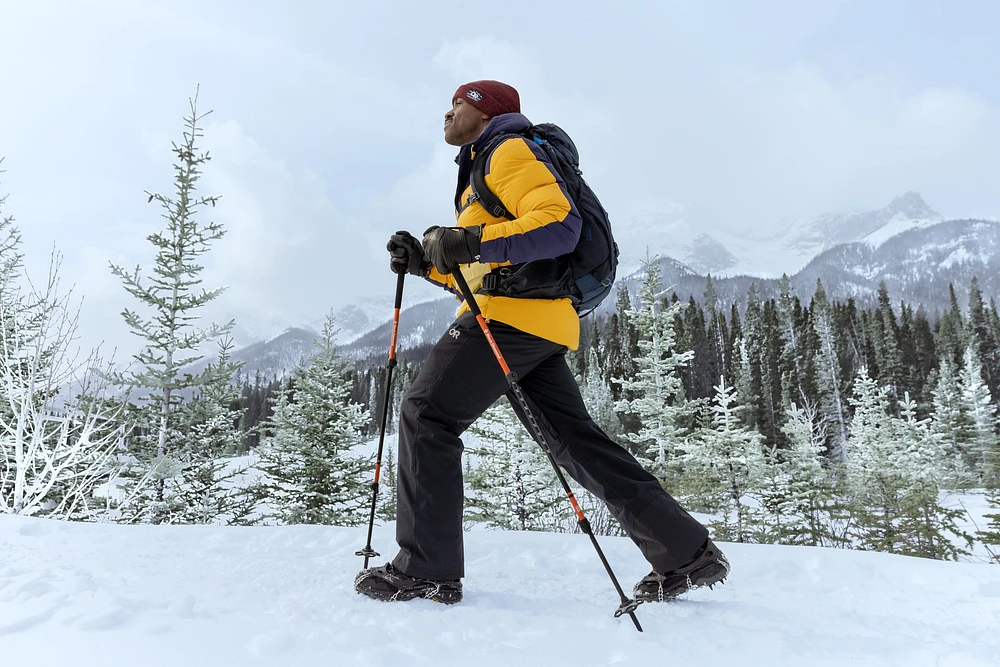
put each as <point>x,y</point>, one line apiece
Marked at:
<point>546,225</point>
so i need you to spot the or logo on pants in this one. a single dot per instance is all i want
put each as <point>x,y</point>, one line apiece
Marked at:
<point>454,333</point>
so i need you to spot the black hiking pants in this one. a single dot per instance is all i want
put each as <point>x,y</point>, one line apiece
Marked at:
<point>459,381</point>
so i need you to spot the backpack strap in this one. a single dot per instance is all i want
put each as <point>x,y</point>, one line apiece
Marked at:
<point>480,191</point>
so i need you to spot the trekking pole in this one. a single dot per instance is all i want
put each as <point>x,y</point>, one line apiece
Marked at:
<point>368,552</point>
<point>628,606</point>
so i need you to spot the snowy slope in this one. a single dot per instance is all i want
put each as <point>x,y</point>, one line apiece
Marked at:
<point>106,595</point>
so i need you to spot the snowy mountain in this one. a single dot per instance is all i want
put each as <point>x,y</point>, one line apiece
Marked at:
<point>663,229</point>
<point>420,323</point>
<point>277,356</point>
<point>706,255</point>
<point>917,266</point>
<point>906,212</point>
<point>89,595</point>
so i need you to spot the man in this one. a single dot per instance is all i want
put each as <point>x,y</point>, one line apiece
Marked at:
<point>461,377</point>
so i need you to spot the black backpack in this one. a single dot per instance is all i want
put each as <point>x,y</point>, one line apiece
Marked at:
<point>585,275</point>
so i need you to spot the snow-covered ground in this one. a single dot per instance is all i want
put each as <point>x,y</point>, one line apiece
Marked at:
<point>81,595</point>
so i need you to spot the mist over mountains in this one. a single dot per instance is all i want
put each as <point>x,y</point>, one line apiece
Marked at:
<point>725,252</point>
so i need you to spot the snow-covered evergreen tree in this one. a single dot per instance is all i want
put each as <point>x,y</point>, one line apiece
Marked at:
<point>386,503</point>
<point>929,527</point>
<point>597,397</point>
<point>876,480</point>
<point>312,471</point>
<point>208,424</point>
<point>513,484</point>
<point>657,389</point>
<point>980,414</point>
<point>989,535</point>
<point>727,460</point>
<point>173,296</point>
<point>798,497</point>
<point>893,467</point>
<point>950,422</point>
<point>743,377</point>
<point>965,418</point>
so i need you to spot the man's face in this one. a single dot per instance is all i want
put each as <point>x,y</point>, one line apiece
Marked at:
<point>463,123</point>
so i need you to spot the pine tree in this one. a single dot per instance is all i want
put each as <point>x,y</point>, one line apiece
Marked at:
<point>659,402</point>
<point>885,339</point>
<point>513,484</point>
<point>312,473</point>
<point>800,499</point>
<point>206,490</point>
<point>893,466</point>
<point>927,526</point>
<point>171,340</point>
<point>951,331</point>
<point>980,415</point>
<point>697,382</point>
<point>717,358</point>
<point>750,388</point>
<point>771,344</point>
<point>987,346</point>
<point>795,374</point>
<point>597,397</point>
<point>993,326</point>
<point>728,459</point>
<point>832,399</point>
<point>386,510</point>
<point>872,465</point>
<point>924,361</point>
<point>950,422</point>
<point>989,535</point>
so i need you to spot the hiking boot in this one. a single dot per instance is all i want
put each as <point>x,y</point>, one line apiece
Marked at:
<point>708,568</point>
<point>388,583</point>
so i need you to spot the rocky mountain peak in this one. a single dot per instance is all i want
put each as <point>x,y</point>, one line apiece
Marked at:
<point>913,206</point>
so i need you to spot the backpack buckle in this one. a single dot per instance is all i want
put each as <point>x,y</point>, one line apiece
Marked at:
<point>489,283</point>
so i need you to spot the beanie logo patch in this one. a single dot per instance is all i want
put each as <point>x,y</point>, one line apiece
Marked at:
<point>474,95</point>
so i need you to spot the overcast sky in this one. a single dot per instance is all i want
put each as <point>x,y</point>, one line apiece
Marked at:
<point>326,128</point>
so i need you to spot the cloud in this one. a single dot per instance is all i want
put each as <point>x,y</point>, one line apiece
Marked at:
<point>288,252</point>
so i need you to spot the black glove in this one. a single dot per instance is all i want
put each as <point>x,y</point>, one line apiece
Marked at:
<point>447,247</point>
<point>406,255</point>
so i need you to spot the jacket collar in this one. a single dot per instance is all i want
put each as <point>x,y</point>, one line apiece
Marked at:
<point>507,123</point>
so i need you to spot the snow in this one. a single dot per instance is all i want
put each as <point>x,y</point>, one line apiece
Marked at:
<point>103,594</point>
<point>897,225</point>
<point>958,256</point>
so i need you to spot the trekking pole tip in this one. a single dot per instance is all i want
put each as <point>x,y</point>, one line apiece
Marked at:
<point>629,606</point>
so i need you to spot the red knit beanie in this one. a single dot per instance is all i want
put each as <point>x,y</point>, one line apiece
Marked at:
<point>491,97</point>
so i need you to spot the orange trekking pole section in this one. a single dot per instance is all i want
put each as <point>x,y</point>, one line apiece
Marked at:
<point>628,605</point>
<point>368,552</point>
